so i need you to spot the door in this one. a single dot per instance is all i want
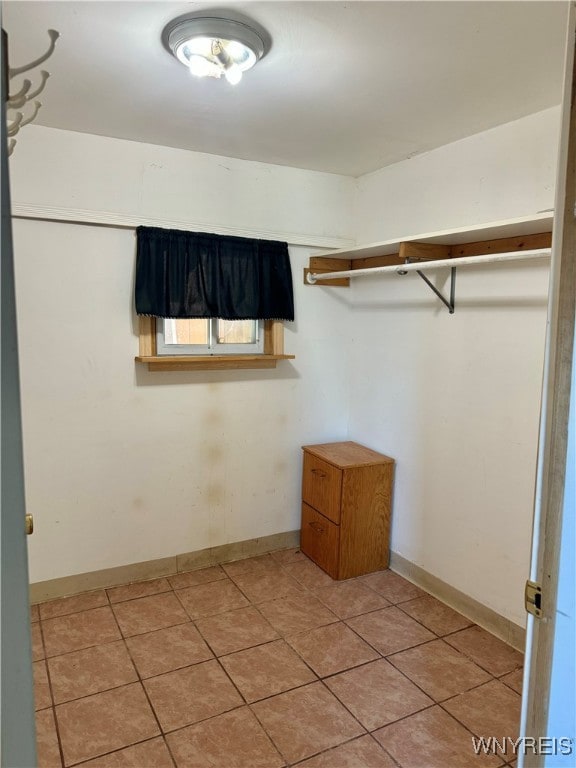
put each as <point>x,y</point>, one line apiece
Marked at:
<point>554,476</point>
<point>18,747</point>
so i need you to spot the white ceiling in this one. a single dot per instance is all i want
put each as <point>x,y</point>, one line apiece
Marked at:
<point>347,87</point>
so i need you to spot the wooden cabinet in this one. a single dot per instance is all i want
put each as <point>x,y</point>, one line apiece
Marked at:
<point>346,505</point>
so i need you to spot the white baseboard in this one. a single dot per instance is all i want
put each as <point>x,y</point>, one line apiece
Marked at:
<point>40,591</point>
<point>498,625</point>
<point>166,566</point>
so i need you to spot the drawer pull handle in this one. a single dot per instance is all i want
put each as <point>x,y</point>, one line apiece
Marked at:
<point>318,473</point>
<point>317,527</point>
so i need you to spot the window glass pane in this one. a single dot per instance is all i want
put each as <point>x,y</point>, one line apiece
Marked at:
<point>186,331</point>
<point>237,331</point>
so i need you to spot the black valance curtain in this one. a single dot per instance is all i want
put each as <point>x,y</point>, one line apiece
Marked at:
<point>194,275</point>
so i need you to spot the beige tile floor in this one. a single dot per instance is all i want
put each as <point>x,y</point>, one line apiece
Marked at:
<point>265,663</point>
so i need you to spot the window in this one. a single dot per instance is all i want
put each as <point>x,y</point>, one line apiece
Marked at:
<point>191,352</point>
<point>183,278</point>
<point>209,337</point>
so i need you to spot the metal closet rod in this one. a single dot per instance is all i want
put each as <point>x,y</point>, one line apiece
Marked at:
<point>421,266</point>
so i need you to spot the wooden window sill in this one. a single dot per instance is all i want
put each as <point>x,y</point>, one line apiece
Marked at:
<point>209,362</point>
<point>273,351</point>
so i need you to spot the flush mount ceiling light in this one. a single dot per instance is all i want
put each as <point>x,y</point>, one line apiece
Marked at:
<point>212,46</point>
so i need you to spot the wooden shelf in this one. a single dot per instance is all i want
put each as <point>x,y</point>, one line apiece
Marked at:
<point>522,234</point>
<point>209,362</point>
<point>509,228</point>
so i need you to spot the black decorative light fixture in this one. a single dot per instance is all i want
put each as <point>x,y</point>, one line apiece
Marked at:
<point>214,46</point>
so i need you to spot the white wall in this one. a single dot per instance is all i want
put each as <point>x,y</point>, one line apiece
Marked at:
<point>123,465</point>
<point>505,172</point>
<point>57,169</point>
<point>455,398</point>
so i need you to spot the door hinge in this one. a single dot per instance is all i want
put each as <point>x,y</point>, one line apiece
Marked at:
<point>533,598</point>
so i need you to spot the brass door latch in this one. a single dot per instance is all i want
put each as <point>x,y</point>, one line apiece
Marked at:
<point>29,525</point>
<point>533,598</point>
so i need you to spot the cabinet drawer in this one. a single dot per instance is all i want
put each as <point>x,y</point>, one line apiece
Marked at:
<point>319,539</point>
<point>322,486</point>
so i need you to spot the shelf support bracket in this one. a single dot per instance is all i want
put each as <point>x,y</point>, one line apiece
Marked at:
<point>448,303</point>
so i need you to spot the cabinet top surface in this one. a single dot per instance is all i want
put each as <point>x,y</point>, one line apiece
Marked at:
<point>347,454</point>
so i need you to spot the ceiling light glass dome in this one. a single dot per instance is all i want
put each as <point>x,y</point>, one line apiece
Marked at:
<point>214,46</point>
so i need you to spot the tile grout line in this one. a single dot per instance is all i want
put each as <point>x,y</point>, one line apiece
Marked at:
<point>283,639</point>
<point>215,657</point>
<point>342,744</point>
<point>385,656</point>
<point>152,709</point>
<point>467,728</point>
<point>230,653</point>
<point>122,639</point>
<point>414,618</point>
<point>436,637</point>
<point>435,703</point>
<point>456,631</point>
<point>138,597</point>
<point>332,674</point>
<point>261,644</point>
<point>501,680</point>
<point>280,638</point>
<point>253,602</point>
<point>83,648</point>
<point>261,724</point>
<point>479,664</point>
<point>358,579</point>
<point>306,590</point>
<point>249,704</point>
<point>405,717</point>
<point>221,666</point>
<point>450,714</point>
<point>255,716</point>
<point>279,693</point>
<point>53,704</point>
<point>319,679</point>
<point>392,758</point>
<point>120,749</point>
<point>244,703</point>
<point>363,580</point>
<point>106,590</point>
